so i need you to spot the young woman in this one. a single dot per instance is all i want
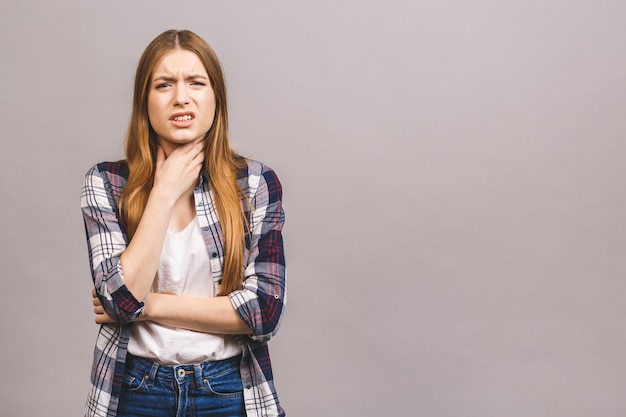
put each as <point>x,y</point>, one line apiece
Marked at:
<point>186,253</point>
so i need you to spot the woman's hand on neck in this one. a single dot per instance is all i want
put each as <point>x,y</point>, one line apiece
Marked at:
<point>178,168</point>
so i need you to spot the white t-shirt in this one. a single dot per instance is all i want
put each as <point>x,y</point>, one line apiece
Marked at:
<point>184,269</point>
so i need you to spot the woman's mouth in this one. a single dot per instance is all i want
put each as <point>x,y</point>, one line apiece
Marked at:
<point>182,120</point>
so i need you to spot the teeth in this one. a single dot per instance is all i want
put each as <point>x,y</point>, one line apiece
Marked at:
<point>182,118</point>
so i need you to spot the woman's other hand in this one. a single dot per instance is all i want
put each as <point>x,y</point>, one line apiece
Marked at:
<point>101,316</point>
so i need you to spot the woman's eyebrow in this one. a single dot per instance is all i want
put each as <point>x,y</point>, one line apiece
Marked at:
<point>171,78</point>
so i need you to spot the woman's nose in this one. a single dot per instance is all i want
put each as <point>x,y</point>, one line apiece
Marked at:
<point>182,95</point>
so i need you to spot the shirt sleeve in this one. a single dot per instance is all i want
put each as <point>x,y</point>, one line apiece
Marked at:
<point>106,241</point>
<point>262,299</point>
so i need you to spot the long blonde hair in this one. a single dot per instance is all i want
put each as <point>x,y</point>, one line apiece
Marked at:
<point>221,161</point>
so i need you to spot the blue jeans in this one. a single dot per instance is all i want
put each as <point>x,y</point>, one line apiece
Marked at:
<point>208,389</point>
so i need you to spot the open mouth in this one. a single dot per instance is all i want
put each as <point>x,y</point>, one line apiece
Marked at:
<point>183,118</point>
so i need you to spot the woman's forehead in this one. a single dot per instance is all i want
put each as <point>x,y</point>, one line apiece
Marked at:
<point>179,62</point>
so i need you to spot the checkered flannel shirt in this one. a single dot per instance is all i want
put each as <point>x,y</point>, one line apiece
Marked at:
<point>260,302</point>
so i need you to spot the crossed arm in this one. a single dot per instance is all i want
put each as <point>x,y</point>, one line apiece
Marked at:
<point>209,315</point>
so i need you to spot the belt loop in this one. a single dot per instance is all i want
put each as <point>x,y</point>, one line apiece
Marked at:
<point>153,372</point>
<point>197,370</point>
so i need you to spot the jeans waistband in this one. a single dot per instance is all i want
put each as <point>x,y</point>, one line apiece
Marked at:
<point>159,371</point>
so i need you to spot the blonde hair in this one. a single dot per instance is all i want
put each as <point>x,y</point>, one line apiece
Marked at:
<point>221,161</point>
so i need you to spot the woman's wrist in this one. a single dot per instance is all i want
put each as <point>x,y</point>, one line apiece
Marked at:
<point>145,314</point>
<point>163,196</point>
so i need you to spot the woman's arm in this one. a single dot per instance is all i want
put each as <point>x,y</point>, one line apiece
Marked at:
<point>175,178</point>
<point>107,239</point>
<point>123,273</point>
<point>208,315</point>
<point>261,301</point>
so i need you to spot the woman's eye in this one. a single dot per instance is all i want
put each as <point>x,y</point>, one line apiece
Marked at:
<point>197,83</point>
<point>162,85</point>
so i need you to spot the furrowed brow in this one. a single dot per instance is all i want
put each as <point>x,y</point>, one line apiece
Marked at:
<point>169,78</point>
<point>197,76</point>
<point>162,78</point>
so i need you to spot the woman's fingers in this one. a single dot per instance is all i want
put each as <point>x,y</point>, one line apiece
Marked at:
<point>96,300</point>
<point>97,305</point>
<point>103,318</point>
<point>199,150</point>
<point>180,170</point>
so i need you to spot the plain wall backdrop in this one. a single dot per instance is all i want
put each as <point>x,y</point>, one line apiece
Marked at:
<point>454,190</point>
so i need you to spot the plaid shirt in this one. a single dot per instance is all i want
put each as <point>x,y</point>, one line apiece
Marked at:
<point>260,302</point>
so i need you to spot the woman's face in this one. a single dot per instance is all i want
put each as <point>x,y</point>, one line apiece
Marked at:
<point>181,103</point>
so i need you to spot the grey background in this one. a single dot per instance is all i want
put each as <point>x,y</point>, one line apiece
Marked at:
<point>454,188</point>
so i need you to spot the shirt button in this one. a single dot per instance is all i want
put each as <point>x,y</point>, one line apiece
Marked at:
<point>214,255</point>
<point>248,387</point>
<point>205,228</point>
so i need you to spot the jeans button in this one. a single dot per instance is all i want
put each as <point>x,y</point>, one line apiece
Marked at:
<point>181,373</point>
